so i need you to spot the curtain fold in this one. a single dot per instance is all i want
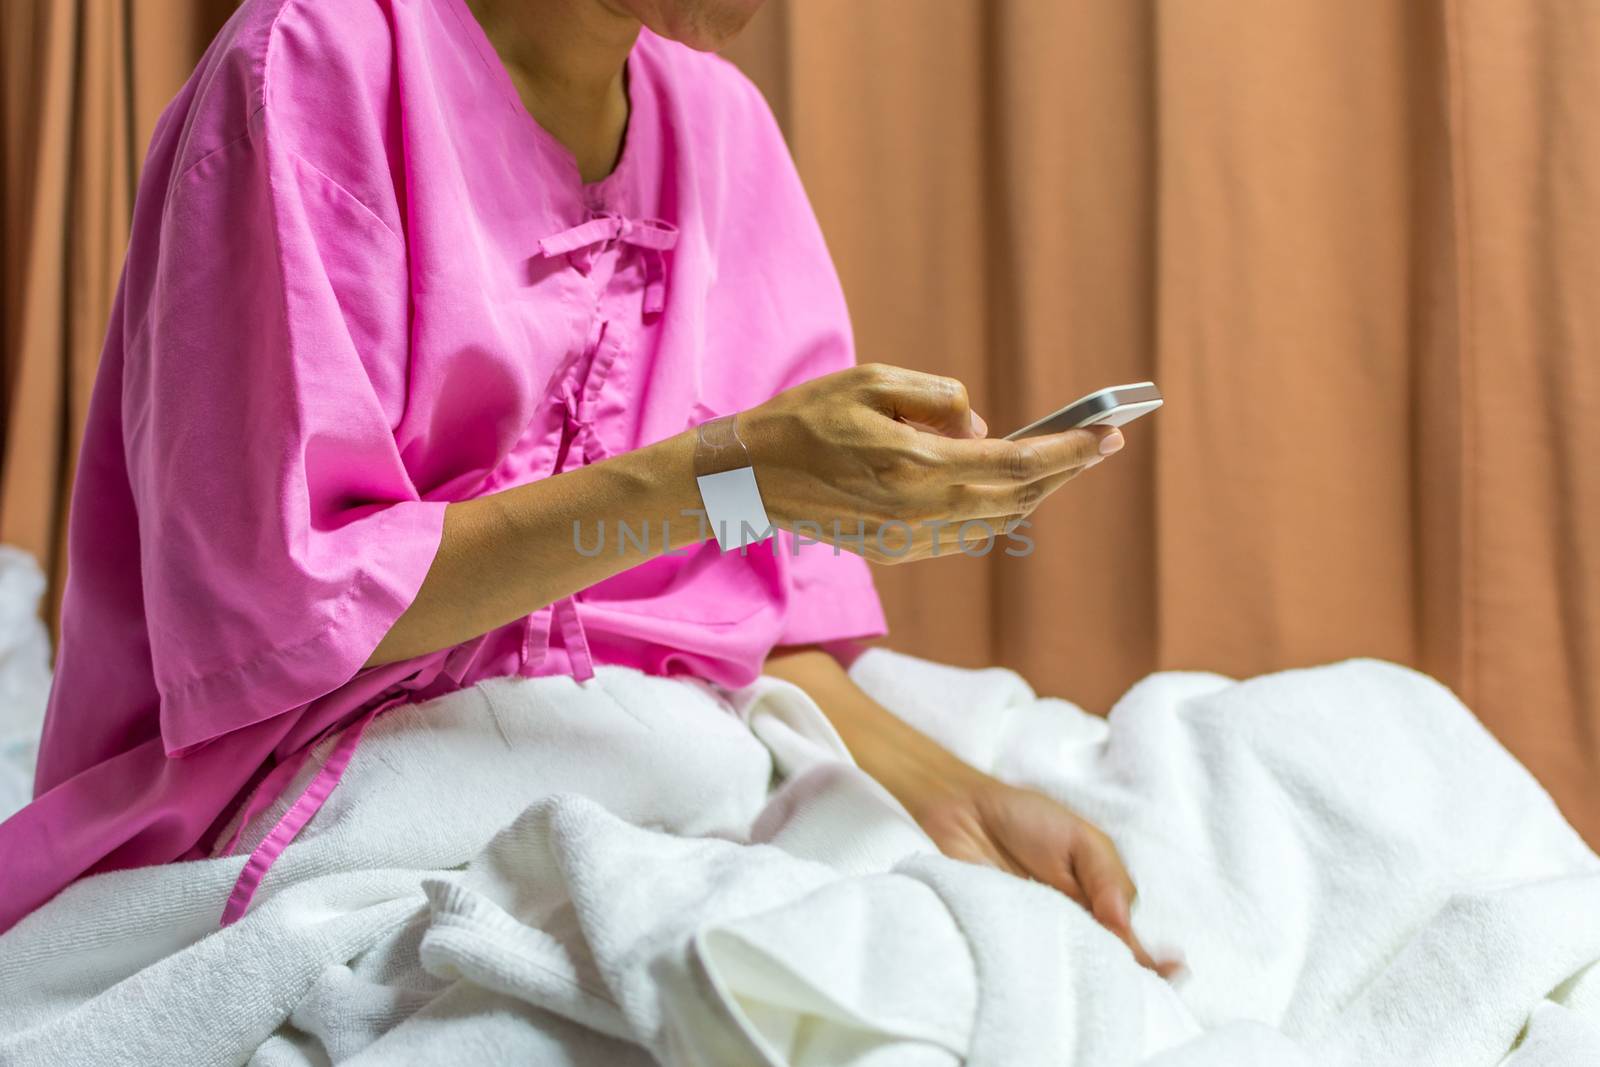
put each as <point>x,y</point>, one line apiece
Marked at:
<point>83,84</point>
<point>1357,245</point>
<point>1526,158</point>
<point>40,60</point>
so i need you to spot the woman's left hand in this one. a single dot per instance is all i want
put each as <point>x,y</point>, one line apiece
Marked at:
<point>983,820</point>
<point>970,815</point>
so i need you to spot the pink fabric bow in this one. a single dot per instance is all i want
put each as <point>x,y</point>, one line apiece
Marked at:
<point>650,236</point>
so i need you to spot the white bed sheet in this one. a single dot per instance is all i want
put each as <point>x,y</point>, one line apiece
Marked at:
<point>24,675</point>
<point>537,871</point>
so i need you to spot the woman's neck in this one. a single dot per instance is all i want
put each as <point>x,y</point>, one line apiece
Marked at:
<point>567,59</point>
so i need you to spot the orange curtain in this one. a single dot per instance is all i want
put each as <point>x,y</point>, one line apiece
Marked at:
<point>82,83</point>
<point>1357,245</point>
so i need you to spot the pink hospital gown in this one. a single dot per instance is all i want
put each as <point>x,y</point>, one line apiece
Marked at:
<point>363,283</point>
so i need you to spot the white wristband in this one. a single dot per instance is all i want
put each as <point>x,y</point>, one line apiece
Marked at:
<point>734,509</point>
<point>728,487</point>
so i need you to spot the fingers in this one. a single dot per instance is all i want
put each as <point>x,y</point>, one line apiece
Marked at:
<point>1098,868</point>
<point>1105,881</point>
<point>967,519</point>
<point>1110,906</point>
<point>1086,868</point>
<point>930,400</point>
<point>1111,911</point>
<point>999,461</point>
<point>1028,835</point>
<point>1004,504</point>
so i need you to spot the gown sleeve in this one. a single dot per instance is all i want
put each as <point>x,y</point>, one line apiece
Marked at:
<point>280,533</point>
<point>831,599</point>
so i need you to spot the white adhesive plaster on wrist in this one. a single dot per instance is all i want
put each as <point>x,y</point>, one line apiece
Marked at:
<point>734,508</point>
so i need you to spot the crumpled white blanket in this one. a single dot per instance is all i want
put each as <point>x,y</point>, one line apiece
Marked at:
<point>24,675</point>
<point>538,871</point>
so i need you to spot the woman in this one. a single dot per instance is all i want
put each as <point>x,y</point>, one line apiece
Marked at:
<point>404,312</point>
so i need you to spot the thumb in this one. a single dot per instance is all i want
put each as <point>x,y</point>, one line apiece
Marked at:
<point>929,400</point>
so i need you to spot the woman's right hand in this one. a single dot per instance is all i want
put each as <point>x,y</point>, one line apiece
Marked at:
<point>892,462</point>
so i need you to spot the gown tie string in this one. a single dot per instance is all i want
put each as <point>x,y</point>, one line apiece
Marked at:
<point>652,237</point>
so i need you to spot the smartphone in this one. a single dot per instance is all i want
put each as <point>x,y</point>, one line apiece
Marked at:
<point>1116,405</point>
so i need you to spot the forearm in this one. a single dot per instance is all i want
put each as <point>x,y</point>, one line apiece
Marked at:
<point>834,449</point>
<point>504,555</point>
<point>914,768</point>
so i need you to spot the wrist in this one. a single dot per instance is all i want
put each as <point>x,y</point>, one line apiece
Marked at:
<point>923,778</point>
<point>767,438</point>
<point>914,768</point>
